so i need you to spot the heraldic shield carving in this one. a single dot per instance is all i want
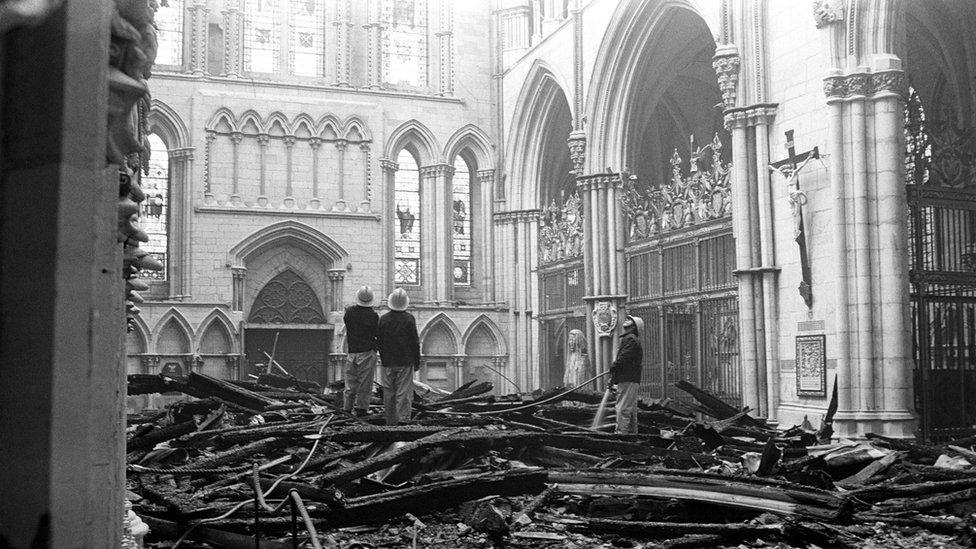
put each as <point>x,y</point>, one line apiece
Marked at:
<point>604,318</point>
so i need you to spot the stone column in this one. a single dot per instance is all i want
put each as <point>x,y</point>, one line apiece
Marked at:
<point>336,278</point>
<point>342,25</point>
<point>340,146</point>
<point>389,168</point>
<point>762,117</point>
<point>315,143</point>
<point>235,193</point>
<point>289,148</point>
<point>198,37</point>
<point>365,206</point>
<point>374,44</point>
<point>486,179</point>
<point>437,247</point>
<point>263,140</point>
<point>445,39</point>
<point>233,32</point>
<point>239,274</point>
<point>208,196</point>
<point>180,162</point>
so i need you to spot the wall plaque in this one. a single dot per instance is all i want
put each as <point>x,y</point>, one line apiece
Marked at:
<point>811,365</point>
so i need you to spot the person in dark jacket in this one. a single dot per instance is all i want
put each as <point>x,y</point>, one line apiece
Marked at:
<point>626,374</point>
<point>399,347</point>
<point>361,324</point>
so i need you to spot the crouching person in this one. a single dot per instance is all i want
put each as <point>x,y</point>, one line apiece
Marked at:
<point>626,374</point>
<point>399,347</point>
<point>360,321</point>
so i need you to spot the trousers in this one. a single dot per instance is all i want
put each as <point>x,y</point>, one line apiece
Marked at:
<point>397,394</point>
<point>359,380</point>
<point>627,407</point>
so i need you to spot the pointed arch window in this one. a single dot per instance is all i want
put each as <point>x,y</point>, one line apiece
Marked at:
<point>262,35</point>
<point>405,42</point>
<point>154,218</point>
<point>169,32</point>
<point>406,268</point>
<point>461,216</point>
<point>306,30</point>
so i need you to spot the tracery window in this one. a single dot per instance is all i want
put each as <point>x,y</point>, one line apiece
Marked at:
<point>405,42</point>
<point>461,217</point>
<point>262,35</point>
<point>407,232</point>
<point>306,32</point>
<point>169,32</point>
<point>154,218</point>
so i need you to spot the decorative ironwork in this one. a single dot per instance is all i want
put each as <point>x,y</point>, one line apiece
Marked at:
<point>561,230</point>
<point>702,195</point>
<point>287,299</point>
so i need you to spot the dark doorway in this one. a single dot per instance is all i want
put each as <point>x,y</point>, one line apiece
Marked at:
<point>303,352</point>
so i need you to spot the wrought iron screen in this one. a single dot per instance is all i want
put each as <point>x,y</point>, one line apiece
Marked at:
<point>562,288</point>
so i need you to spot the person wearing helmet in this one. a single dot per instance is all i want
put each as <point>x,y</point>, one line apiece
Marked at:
<point>625,373</point>
<point>360,321</point>
<point>399,347</point>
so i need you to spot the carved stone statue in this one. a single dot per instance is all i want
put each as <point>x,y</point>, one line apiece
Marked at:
<point>577,360</point>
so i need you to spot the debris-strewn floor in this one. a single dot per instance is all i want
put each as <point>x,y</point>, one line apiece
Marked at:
<point>276,458</point>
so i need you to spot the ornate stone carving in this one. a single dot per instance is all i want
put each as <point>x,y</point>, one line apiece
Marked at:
<point>826,12</point>
<point>866,84</point>
<point>726,64</point>
<point>561,230</point>
<point>577,150</point>
<point>702,195</point>
<point>604,318</point>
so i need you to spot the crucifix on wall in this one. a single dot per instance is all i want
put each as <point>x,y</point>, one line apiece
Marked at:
<point>790,168</point>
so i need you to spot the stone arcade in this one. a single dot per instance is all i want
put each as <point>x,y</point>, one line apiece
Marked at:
<point>520,167</point>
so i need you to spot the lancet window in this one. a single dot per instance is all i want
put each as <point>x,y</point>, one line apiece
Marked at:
<point>407,209</point>
<point>262,35</point>
<point>154,217</point>
<point>169,33</point>
<point>461,221</point>
<point>306,38</point>
<point>405,42</point>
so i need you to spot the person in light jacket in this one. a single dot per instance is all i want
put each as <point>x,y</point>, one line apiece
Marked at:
<point>399,346</point>
<point>626,374</point>
<point>360,321</point>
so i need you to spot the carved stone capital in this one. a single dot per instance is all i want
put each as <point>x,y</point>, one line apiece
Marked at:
<point>388,166</point>
<point>726,64</point>
<point>315,142</point>
<point>341,144</point>
<point>289,141</point>
<point>826,12</point>
<point>437,170</point>
<point>236,137</point>
<point>239,273</point>
<point>336,275</point>
<point>866,85</point>
<point>263,139</point>
<point>486,177</point>
<point>364,146</point>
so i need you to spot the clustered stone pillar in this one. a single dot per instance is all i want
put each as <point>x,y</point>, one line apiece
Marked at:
<point>198,37</point>
<point>437,249</point>
<point>866,146</point>
<point>233,30</point>
<point>342,25</point>
<point>389,168</point>
<point>180,170</point>
<point>374,44</point>
<point>239,274</point>
<point>336,279</point>
<point>486,180</point>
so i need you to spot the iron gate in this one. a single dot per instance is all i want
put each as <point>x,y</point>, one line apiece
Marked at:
<point>942,228</point>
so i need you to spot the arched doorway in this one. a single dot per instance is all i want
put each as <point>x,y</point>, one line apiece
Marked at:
<point>940,178</point>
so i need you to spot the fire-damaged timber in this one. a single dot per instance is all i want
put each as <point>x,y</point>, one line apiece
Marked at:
<point>271,462</point>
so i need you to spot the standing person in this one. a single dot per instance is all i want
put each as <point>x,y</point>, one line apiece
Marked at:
<point>399,347</point>
<point>361,324</point>
<point>626,374</point>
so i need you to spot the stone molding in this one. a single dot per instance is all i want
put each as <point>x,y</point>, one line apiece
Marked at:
<point>826,12</point>
<point>437,170</point>
<point>750,115</point>
<point>388,166</point>
<point>864,84</point>
<point>517,216</point>
<point>726,63</point>
<point>592,182</point>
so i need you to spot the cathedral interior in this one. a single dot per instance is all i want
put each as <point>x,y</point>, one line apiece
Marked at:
<point>784,196</point>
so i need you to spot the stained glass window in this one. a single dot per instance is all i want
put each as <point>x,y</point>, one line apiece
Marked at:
<point>462,222</point>
<point>407,231</point>
<point>262,35</point>
<point>169,35</point>
<point>307,37</point>
<point>154,218</point>
<point>405,42</point>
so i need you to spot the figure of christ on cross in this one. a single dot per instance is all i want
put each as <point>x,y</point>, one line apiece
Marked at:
<point>790,169</point>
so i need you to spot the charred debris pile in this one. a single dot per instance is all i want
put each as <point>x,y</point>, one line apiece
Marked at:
<point>276,463</point>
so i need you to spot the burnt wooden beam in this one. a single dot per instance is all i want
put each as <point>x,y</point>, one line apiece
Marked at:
<point>736,530</point>
<point>152,438</point>
<point>224,390</point>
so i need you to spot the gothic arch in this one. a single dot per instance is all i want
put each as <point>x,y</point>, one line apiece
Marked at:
<point>415,137</point>
<point>140,333</point>
<point>542,101</point>
<point>223,114</point>
<point>291,232</point>
<point>473,139</point>
<point>303,121</point>
<point>354,123</point>
<point>166,122</point>
<point>217,319</point>
<point>252,117</point>
<point>287,298</point>
<point>184,330</point>
<point>623,60</point>
<point>327,125</point>
<point>276,118</point>
<point>485,323</point>
<point>443,324</point>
